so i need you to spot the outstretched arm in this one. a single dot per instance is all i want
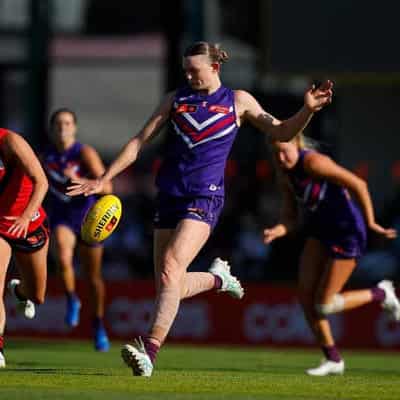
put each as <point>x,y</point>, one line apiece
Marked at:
<point>321,166</point>
<point>128,153</point>
<point>248,109</point>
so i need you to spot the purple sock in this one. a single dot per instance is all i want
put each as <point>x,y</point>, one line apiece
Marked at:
<point>378,294</point>
<point>152,349</point>
<point>217,282</point>
<point>331,353</point>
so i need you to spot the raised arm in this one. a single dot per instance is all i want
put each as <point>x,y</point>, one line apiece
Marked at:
<point>321,166</point>
<point>20,151</point>
<point>128,153</point>
<point>248,109</point>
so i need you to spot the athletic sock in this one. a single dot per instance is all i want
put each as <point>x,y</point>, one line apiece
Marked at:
<point>331,353</point>
<point>151,349</point>
<point>218,282</point>
<point>378,294</point>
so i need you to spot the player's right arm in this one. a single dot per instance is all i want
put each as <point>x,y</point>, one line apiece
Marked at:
<point>129,152</point>
<point>18,149</point>
<point>288,213</point>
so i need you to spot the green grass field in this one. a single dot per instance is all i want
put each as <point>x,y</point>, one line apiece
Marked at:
<point>72,370</point>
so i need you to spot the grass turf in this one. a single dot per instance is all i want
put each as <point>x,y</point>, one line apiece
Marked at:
<point>72,370</point>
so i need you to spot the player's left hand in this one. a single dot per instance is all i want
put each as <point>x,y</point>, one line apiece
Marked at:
<point>318,97</point>
<point>388,233</point>
<point>19,228</point>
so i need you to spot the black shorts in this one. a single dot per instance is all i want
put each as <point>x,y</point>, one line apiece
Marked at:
<point>33,241</point>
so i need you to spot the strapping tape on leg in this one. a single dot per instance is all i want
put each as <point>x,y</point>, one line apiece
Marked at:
<point>335,306</point>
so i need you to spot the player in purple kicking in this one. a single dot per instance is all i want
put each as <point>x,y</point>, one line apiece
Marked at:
<point>336,232</point>
<point>64,160</point>
<point>203,119</point>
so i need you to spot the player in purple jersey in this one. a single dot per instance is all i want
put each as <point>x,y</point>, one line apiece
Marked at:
<point>336,232</point>
<point>203,119</point>
<point>64,160</point>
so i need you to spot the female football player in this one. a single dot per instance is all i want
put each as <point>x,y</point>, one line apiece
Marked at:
<point>64,160</point>
<point>23,228</point>
<point>336,232</point>
<point>203,118</point>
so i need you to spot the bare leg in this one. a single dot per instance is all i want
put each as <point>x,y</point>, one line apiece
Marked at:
<point>32,268</point>
<point>64,242</point>
<point>336,274</point>
<point>173,258</point>
<point>197,282</point>
<point>312,263</point>
<point>335,277</point>
<point>5,255</point>
<point>91,258</point>
<point>194,282</point>
<point>174,250</point>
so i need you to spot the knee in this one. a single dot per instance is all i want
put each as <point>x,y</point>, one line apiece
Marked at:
<point>95,280</point>
<point>334,305</point>
<point>65,260</point>
<point>170,271</point>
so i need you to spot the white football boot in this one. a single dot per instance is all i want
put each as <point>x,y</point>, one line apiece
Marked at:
<point>24,307</point>
<point>230,284</point>
<point>2,360</point>
<point>136,357</point>
<point>327,367</point>
<point>391,303</point>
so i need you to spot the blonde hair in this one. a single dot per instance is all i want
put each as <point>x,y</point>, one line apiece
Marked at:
<point>305,142</point>
<point>212,51</point>
<point>302,142</point>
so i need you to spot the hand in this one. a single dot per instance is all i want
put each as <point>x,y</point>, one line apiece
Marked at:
<point>317,98</point>
<point>19,228</point>
<point>273,233</point>
<point>380,230</point>
<point>85,187</point>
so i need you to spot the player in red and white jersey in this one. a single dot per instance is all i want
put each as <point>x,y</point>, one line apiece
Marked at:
<point>23,228</point>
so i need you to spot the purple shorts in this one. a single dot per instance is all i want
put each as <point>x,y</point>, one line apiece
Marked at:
<point>170,210</point>
<point>71,217</point>
<point>344,239</point>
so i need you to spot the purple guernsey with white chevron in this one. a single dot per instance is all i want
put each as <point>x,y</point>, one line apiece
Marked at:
<point>331,214</point>
<point>202,130</point>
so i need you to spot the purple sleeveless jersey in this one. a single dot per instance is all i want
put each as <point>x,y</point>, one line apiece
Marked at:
<point>331,215</point>
<point>202,130</point>
<point>63,209</point>
<point>200,136</point>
